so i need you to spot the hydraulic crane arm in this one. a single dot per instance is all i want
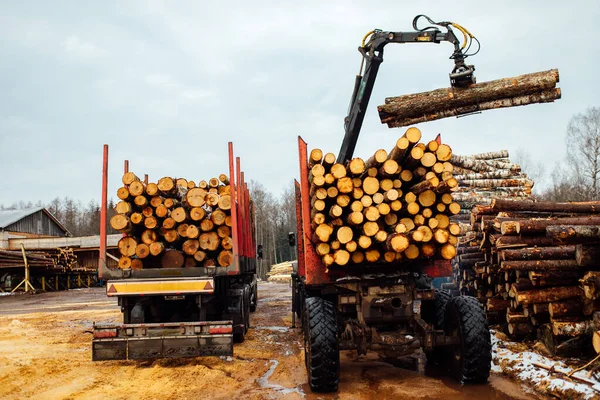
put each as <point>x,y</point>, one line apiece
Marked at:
<point>372,53</point>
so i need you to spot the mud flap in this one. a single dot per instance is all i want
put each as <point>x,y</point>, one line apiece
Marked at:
<point>169,340</point>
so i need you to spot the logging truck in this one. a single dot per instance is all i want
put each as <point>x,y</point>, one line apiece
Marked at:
<point>178,297</point>
<point>371,235</point>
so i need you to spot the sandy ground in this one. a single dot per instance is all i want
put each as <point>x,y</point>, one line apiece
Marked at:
<point>45,352</point>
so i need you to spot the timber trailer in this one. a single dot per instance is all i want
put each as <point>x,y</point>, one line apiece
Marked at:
<point>389,308</point>
<point>182,312</point>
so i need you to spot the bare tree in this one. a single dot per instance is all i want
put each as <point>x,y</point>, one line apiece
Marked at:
<point>534,169</point>
<point>583,152</point>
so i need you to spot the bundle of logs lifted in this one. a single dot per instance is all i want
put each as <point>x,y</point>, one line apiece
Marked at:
<point>535,267</point>
<point>393,206</point>
<point>174,223</point>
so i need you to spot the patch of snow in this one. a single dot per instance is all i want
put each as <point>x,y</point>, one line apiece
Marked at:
<point>521,365</point>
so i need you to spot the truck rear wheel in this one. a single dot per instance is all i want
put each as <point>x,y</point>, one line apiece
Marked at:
<point>470,360</point>
<point>239,333</point>
<point>321,350</point>
<point>254,301</point>
<point>441,301</point>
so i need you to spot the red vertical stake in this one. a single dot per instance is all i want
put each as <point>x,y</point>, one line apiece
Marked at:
<point>234,207</point>
<point>244,216</point>
<point>240,200</point>
<point>315,270</point>
<point>126,167</point>
<point>247,221</point>
<point>103,212</point>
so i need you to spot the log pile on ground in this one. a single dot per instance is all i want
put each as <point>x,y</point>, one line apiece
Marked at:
<point>392,206</point>
<point>59,260</point>
<point>281,273</point>
<point>539,87</point>
<point>174,223</point>
<point>536,270</point>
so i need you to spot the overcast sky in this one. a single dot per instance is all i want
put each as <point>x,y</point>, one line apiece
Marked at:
<point>168,84</point>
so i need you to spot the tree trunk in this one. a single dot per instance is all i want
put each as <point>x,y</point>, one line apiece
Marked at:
<point>548,295</point>
<point>540,265</point>
<point>127,245</point>
<point>498,205</point>
<point>591,285</point>
<point>426,105</point>
<point>575,234</point>
<point>172,259</point>
<point>567,308</point>
<point>587,256</point>
<point>569,328</point>
<point>225,258</point>
<point>539,253</point>
<point>556,277</point>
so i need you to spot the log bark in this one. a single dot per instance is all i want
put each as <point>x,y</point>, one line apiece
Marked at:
<point>520,329</point>
<point>548,295</point>
<point>420,104</point>
<point>587,256</point>
<point>570,328</point>
<point>497,304</point>
<point>567,308</point>
<point>498,205</point>
<point>539,253</point>
<point>540,265</point>
<point>574,234</point>
<point>551,278</point>
<point>591,285</point>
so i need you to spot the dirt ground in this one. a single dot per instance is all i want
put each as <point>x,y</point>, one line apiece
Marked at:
<point>45,352</point>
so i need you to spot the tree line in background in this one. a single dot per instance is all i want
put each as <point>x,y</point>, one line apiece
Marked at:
<point>576,178</point>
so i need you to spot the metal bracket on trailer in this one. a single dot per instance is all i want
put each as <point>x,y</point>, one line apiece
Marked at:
<point>168,340</point>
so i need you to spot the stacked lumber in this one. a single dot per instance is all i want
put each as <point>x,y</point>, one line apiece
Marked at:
<point>281,273</point>
<point>539,87</point>
<point>392,206</point>
<point>174,223</point>
<point>482,177</point>
<point>536,269</point>
<point>59,260</point>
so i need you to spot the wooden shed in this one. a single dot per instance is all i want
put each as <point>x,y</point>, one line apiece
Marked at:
<point>31,222</point>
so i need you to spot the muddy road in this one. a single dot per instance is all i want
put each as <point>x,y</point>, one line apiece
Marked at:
<point>45,353</point>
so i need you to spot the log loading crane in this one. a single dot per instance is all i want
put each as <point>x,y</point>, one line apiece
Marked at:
<point>390,308</point>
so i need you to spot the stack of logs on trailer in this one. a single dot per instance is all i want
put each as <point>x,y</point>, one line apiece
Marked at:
<point>535,270</point>
<point>174,223</point>
<point>393,206</point>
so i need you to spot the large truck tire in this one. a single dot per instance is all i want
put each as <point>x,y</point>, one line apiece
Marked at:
<point>254,301</point>
<point>441,301</point>
<point>321,349</point>
<point>436,316</point>
<point>470,360</point>
<point>247,299</point>
<point>239,335</point>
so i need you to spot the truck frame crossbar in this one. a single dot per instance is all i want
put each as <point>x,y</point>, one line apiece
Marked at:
<point>162,340</point>
<point>147,287</point>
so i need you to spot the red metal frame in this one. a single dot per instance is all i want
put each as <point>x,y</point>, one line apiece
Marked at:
<point>234,220</point>
<point>314,268</point>
<point>299,235</point>
<point>103,211</point>
<point>244,218</point>
<point>240,200</point>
